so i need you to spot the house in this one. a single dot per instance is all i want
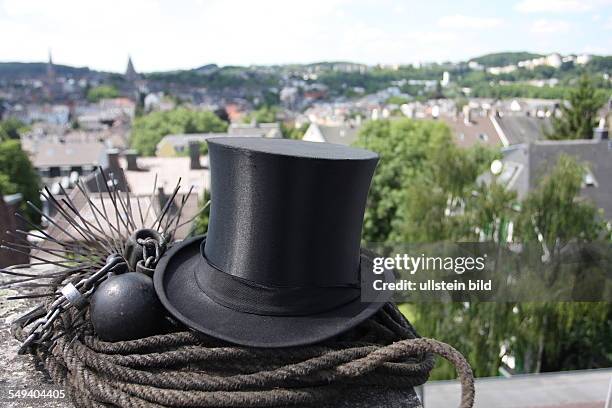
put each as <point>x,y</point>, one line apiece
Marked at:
<point>105,113</point>
<point>50,114</point>
<point>269,130</point>
<point>552,60</point>
<point>141,172</point>
<point>473,127</point>
<point>151,182</point>
<point>517,129</point>
<point>525,164</point>
<point>177,145</point>
<point>340,134</point>
<point>56,159</point>
<point>528,106</point>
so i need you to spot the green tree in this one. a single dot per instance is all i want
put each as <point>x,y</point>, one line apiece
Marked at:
<point>11,129</point>
<point>426,190</point>
<point>200,225</point>
<point>265,114</point>
<point>561,336</point>
<point>17,175</point>
<point>148,130</point>
<point>501,59</point>
<point>396,100</point>
<point>580,117</point>
<point>102,92</point>
<point>293,132</point>
<point>6,185</point>
<point>554,213</point>
<point>540,336</point>
<point>418,195</point>
<point>420,172</point>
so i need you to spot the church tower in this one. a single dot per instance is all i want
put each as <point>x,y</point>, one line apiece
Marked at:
<point>50,70</point>
<point>130,73</point>
<point>50,88</point>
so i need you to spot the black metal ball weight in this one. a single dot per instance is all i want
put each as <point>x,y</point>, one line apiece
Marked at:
<point>126,307</point>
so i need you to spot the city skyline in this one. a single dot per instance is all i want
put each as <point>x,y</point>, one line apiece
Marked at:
<point>161,36</point>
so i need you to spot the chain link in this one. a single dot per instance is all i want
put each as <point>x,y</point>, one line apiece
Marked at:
<point>70,296</point>
<point>153,246</point>
<point>77,295</point>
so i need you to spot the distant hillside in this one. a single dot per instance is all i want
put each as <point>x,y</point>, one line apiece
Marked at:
<point>37,69</point>
<point>501,59</point>
<point>206,69</point>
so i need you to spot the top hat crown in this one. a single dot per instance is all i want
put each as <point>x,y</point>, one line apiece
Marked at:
<point>281,261</point>
<point>287,213</point>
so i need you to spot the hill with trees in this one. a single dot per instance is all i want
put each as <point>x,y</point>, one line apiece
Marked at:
<point>500,59</point>
<point>349,80</point>
<point>14,70</point>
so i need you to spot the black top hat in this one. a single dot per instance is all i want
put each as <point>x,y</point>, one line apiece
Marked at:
<point>281,263</point>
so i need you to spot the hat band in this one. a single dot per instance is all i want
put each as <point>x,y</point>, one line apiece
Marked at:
<point>256,298</point>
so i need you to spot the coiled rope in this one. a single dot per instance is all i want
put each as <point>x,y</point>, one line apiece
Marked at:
<point>185,369</point>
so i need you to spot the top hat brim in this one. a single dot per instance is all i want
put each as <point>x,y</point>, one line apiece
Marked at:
<point>177,289</point>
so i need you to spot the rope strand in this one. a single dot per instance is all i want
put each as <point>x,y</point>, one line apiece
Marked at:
<point>185,369</point>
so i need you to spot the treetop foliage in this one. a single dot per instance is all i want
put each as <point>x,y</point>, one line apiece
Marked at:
<point>102,92</point>
<point>11,128</point>
<point>148,130</point>
<point>579,116</point>
<point>426,190</point>
<point>501,59</point>
<point>415,158</point>
<point>17,175</point>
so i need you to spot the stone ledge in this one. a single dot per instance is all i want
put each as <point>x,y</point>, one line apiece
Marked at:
<point>20,372</point>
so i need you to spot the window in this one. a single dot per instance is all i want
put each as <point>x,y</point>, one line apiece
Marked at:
<point>54,172</point>
<point>44,172</point>
<point>589,180</point>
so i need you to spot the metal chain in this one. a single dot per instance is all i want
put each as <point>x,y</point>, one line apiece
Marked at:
<point>151,245</point>
<point>70,295</point>
<point>77,295</point>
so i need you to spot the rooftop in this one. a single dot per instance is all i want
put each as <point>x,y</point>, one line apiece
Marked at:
<point>167,170</point>
<point>526,163</point>
<point>523,129</point>
<point>270,130</point>
<point>342,134</point>
<point>51,154</point>
<point>479,130</point>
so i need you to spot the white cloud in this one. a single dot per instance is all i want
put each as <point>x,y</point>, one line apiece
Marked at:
<point>467,22</point>
<point>559,6</point>
<point>595,49</point>
<point>544,26</point>
<point>161,36</point>
<point>173,34</point>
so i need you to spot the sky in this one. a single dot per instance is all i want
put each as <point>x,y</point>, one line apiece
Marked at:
<point>181,34</point>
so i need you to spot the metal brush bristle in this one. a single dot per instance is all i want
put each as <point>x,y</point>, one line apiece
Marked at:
<point>81,240</point>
